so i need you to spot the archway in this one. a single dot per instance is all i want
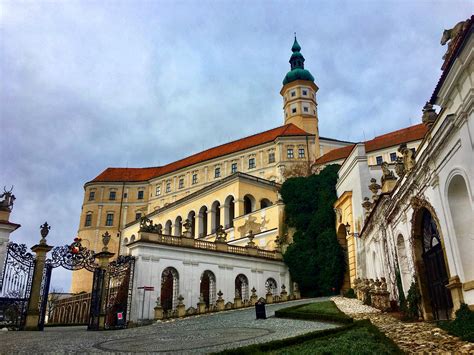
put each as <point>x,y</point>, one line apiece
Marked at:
<point>249,204</point>
<point>242,287</point>
<point>178,226</point>
<point>202,222</point>
<point>207,287</point>
<point>265,202</point>
<point>168,227</point>
<point>341,238</point>
<point>461,216</point>
<point>271,286</point>
<point>192,220</point>
<point>216,216</point>
<point>431,265</point>
<point>229,214</point>
<point>169,288</point>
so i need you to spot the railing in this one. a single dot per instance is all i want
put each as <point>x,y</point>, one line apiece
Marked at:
<point>237,250</point>
<point>183,241</point>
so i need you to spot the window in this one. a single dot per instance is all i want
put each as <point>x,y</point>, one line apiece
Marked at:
<point>140,195</point>
<point>158,190</point>
<point>293,110</point>
<point>393,156</point>
<point>301,153</point>
<point>233,168</point>
<point>305,92</point>
<point>379,160</point>
<point>88,221</point>
<point>293,93</point>
<point>91,195</point>
<point>289,153</point>
<point>138,215</point>
<point>125,195</point>
<point>271,157</point>
<point>252,163</point>
<point>181,183</point>
<point>168,186</point>
<point>109,221</point>
<point>217,173</point>
<point>195,179</point>
<point>112,195</point>
<point>305,109</point>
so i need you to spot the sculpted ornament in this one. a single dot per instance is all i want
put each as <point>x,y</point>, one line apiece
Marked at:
<point>374,188</point>
<point>387,174</point>
<point>249,225</point>
<point>408,158</point>
<point>8,198</point>
<point>399,167</point>
<point>451,34</point>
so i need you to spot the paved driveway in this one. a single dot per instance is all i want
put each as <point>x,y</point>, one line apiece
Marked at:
<point>199,334</point>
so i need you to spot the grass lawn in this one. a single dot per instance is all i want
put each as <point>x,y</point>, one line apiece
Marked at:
<point>323,311</point>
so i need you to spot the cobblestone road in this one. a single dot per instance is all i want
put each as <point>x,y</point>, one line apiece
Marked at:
<point>200,334</point>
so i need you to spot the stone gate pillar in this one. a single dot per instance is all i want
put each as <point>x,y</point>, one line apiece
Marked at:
<point>6,227</point>
<point>41,249</point>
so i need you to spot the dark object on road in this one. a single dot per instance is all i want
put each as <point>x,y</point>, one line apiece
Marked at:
<point>260,312</point>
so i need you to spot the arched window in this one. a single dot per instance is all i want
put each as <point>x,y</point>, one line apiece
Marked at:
<point>229,214</point>
<point>192,220</point>
<point>168,227</point>
<point>207,287</point>
<point>178,226</point>
<point>203,222</point>
<point>242,287</point>
<point>169,288</point>
<point>216,216</point>
<point>249,204</point>
<point>271,286</point>
<point>403,263</point>
<point>264,203</point>
<point>462,217</point>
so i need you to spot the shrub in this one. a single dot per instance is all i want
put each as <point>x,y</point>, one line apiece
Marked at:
<point>463,325</point>
<point>350,293</point>
<point>413,302</point>
<point>402,302</point>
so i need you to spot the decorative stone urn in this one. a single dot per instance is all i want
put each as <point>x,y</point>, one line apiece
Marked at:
<point>220,301</point>
<point>181,307</point>
<point>253,297</point>
<point>283,294</point>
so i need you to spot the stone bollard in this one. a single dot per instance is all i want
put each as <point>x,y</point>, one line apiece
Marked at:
<point>201,306</point>
<point>283,294</point>
<point>296,291</point>
<point>269,297</point>
<point>158,310</point>
<point>220,301</point>
<point>253,297</point>
<point>181,308</point>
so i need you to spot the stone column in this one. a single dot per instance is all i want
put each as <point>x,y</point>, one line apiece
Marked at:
<point>209,221</point>
<point>239,207</point>
<point>198,223</point>
<point>41,249</point>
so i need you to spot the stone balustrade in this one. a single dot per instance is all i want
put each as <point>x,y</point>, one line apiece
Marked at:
<point>373,292</point>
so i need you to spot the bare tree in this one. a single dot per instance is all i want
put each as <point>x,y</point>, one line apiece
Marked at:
<point>53,299</point>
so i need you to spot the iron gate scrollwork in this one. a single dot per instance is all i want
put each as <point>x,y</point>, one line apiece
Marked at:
<point>15,285</point>
<point>118,291</point>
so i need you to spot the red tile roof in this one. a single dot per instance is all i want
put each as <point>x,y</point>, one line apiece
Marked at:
<point>391,139</point>
<point>144,174</point>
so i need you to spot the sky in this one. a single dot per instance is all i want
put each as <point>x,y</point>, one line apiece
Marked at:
<point>86,85</point>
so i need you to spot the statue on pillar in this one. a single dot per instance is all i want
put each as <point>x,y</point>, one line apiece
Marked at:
<point>8,198</point>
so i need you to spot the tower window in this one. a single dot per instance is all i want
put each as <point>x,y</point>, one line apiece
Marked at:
<point>379,160</point>
<point>289,153</point>
<point>233,168</point>
<point>301,153</point>
<point>293,110</point>
<point>252,163</point>
<point>393,156</point>
<point>158,190</point>
<point>195,179</point>
<point>109,221</point>
<point>138,215</point>
<point>88,221</point>
<point>305,92</point>
<point>91,195</point>
<point>140,195</point>
<point>305,109</point>
<point>181,183</point>
<point>271,157</point>
<point>293,93</point>
<point>112,195</point>
<point>217,173</point>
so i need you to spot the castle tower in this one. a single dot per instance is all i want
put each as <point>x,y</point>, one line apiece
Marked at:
<point>299,96</point>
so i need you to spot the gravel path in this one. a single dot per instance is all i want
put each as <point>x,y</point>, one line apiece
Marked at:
<point>200,334</point>
<point>417,337</point>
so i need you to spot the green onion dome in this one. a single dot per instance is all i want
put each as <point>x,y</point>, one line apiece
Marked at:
<point>297,72</point>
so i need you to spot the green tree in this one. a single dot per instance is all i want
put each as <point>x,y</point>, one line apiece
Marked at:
<point>315,258</point>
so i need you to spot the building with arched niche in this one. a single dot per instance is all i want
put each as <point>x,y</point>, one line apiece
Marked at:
<point>413,215</point>
<point>234,185</point>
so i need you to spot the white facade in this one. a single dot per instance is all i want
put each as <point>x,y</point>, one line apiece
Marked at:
<point>190,264</point>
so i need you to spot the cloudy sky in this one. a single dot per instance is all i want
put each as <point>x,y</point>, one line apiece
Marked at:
<point>92,84</point>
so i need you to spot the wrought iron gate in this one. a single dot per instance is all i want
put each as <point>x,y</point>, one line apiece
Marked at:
<point>436,273</point>
<point>118,291</point>
<point>15,285</point>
